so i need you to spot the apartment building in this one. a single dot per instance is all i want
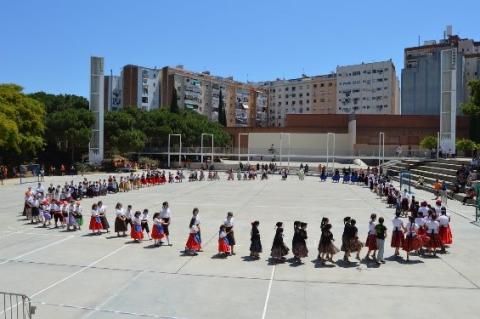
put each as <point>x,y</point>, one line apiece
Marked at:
<point>324,94</point>
<point>422,73</point>
<point>112,92</point>
<point>367,88</point>
<point>287,97</point>
<point>245,104</point>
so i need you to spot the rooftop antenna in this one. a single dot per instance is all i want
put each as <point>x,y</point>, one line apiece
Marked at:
<point>419,40</point>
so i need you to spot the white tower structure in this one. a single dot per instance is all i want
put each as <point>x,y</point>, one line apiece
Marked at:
<point>95,148</point>
<point>448,100</point>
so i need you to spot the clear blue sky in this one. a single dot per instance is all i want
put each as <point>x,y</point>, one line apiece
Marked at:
<point>46,45</point>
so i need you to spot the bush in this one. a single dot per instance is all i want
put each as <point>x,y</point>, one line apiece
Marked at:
<point>429,142</point>
<point>465,145</point>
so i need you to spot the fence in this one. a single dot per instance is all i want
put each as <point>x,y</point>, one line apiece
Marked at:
<point>16,306</point>
<point>274,152</point>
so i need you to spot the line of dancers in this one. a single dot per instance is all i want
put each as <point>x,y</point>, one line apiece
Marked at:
<point>426,231</point>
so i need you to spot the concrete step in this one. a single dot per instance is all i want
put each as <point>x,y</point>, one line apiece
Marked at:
<point>451,166</point>
<point>439,170</point>
<point>427,180</point>
<point>428,188</point>
<point>433,175</point>
<point>455,161</point>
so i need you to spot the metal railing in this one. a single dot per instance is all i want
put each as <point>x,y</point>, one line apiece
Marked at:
<point>16,306</point>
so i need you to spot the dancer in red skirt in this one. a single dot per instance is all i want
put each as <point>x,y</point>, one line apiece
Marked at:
<point>397,233</point>
<point>420,220</point>
<point>136,232</point>
<point>95,222</point>
<point>445,232</point>
<point>433,242</point>
<point>412,241</point>
<point>371,242</point>
<point>223,244</point>
<point>194,244</point>
<point>157,232</point>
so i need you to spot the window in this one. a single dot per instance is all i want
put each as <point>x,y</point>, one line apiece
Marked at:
<point>144,99</point>
<point>286,96</point>
<point>314,101</point>
<point>279,103</point>
<point>308,109</point>
<point>308,94</point>
<point>293,88</point>
<point>300,102</point>
<point>300,95</point>
<point>294,95</point>
<point>330,84</point>
<point>286,103</point>
<point>293,102</point>
<point>308,101</point>
<point>322,85</point>
<point>315,86</point>
<point>286,89</point>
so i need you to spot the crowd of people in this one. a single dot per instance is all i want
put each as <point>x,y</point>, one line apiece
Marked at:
<point>425,230</point>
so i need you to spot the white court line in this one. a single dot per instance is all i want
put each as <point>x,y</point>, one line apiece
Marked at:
<point>118,312</point>
<point>36,250</point>
<point>7,235</point>
<point>33,233</point>
<point>117,292</point>
<point>77,272</point>
<point>264,313</point>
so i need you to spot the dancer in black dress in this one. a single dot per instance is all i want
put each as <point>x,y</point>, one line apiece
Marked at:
<point>302,250</point>
<point>255,243</point>
<point>296,240</point>
<point>279,250</point>
<point>350,242</point>
<point>326,248</point>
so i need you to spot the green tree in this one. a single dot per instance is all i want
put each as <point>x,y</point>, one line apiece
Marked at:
<point>22,124</point>
<point>131,129</point>
<point>429,142</point>
<point>70,129</point>
<point>131,141</point>
<point>222,114</point>
<point>472,109</point>
<point>174,103</point>
<point>60,102</point>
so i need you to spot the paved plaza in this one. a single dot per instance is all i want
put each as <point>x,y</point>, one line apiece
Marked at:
<point>75,275</point>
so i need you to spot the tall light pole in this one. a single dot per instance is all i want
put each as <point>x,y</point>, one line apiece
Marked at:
<point>331,136</point>
<point>201,146</point>
<point>381,148</point>
<point>180,150</point>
